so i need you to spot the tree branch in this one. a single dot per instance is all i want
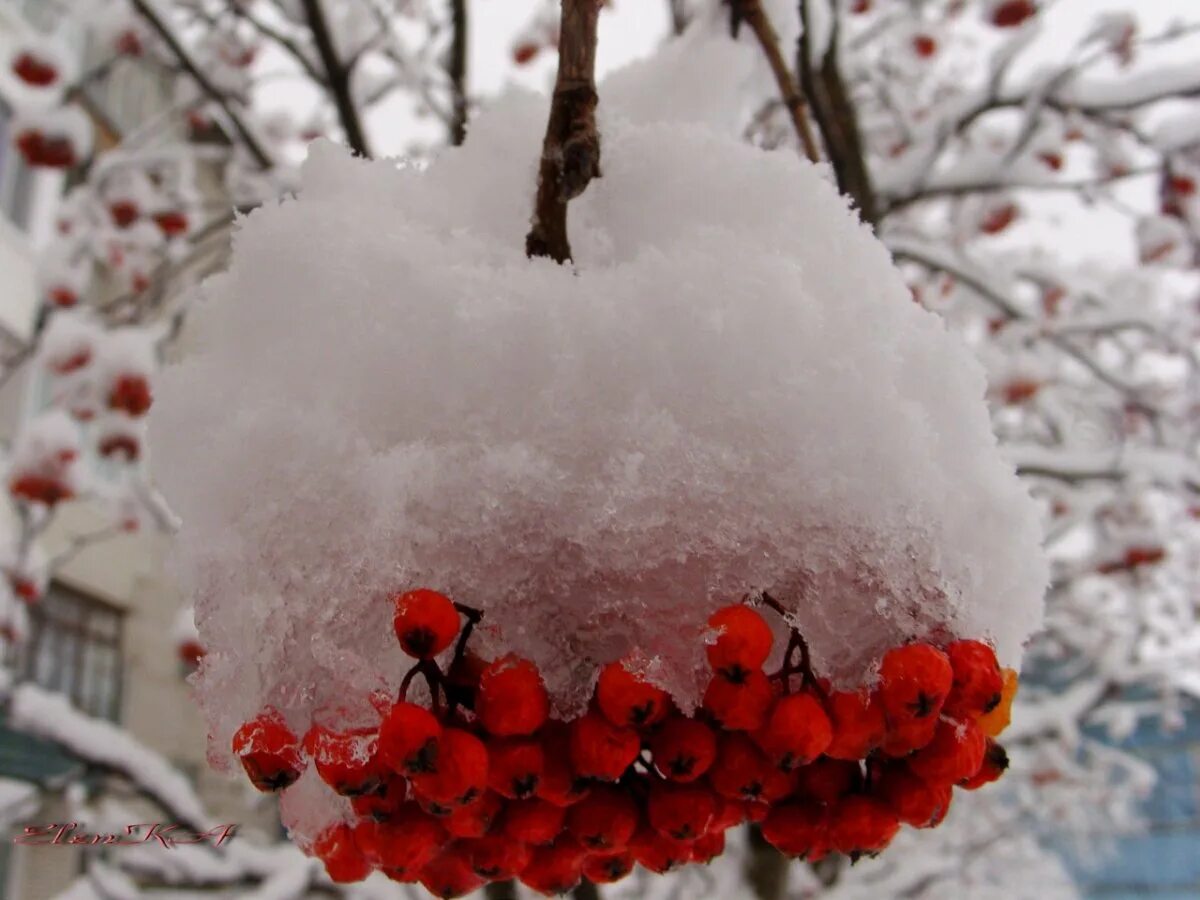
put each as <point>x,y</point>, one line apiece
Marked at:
<point>571,150</point>
<point>337,76</point>
<point>205,84</point>
<point>457,70</point>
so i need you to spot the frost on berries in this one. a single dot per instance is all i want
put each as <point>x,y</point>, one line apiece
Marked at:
<point>399,535</point>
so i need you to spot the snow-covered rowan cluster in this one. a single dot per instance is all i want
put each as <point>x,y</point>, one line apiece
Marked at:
<point>483,785</point>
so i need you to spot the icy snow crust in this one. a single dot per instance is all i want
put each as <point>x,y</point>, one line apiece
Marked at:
<point>732,390</point>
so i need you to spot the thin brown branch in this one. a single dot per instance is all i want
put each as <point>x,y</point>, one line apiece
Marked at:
<point>571,151</point>
<point>337,77</point>
<point>189,65</point>
<point>752,13</point>
<point>456,68</point>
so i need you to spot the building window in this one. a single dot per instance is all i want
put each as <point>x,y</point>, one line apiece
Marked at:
<point>74,648</point>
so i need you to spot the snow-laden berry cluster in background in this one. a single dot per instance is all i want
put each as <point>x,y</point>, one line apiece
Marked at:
<point>732,392</point>
<point>484,786</point>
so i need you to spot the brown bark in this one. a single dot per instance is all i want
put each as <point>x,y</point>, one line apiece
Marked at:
<point>337,77</point>
<point>571,150</point>
<point>456,69</point>
<point>765,868</point>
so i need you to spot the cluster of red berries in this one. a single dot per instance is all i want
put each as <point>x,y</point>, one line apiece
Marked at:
<point>48,151</point>
<point>485,786</point>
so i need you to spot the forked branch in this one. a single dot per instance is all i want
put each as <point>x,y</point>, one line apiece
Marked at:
<point>571,150</point>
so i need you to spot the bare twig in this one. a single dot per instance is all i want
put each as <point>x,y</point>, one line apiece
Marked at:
<point>571,151</point>
<point>456,69</point>
<point>337,77</point>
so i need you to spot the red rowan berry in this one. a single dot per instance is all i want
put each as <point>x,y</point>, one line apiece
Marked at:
<point>729,813</point>
<point>797,828</point>
<point>35,70</point>
<point>555,869</point>
<point>743,642</point>
<point>924,45</point>
<point>269,751</point>
<point>743,772</point>
<point>1011,13</point>
<point>512,699</point>
<point>426,622</point>
<point>559,784</point>
<point>450,874</point>
<point>861,825</point>
<point>515,767</point>
<point>978,683</point>
<point>534,822</point>
<point>336,848</point>
<point>913,682</point>
<point>408,739</point>
<point>683,749</point>
<point>603,820</point>
<point>995,764</point>
<point>994,722</point>
<point>381,803</point>
<point>657,852</point>
<point>130,393</point>
<point>462,770</point>
<point>605,868</point>
<point>600,749</point>
<point>796,732</point>
<point>403,845</point>
<point>954,754</point>
<point>742,705</point>
<point>475,819</point>
<point>627,700</point>
<point>914,801</point>
<point>903,739</point>
<point>756,811</point>
<point>828,780</point>
<point>496,857</point>
<point>680,811</point>
<point>707,848</point>
<point>859,725</point>
<point>346,760</point>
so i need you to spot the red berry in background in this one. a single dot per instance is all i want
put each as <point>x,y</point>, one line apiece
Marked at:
<point>683,749</point>
<point>955,753</point>
<point>859,725</point>
<point>743,772</point>
<point>130,393</point>
<point>1010,13</point>
<point>924,46</point>
<point>683,812</point>
<point>861,825</point>
<point>382,803</point>
<point>797,828</point>
<point>628,700</point>
<point>657,852</point>
<point>515,767</point>
<point>496,857</point>
<point>127,447</point>
<point>269,751</point>
<point>171,223</point>
<point>426,623</point>
<point>605,819</point>
<point>707,848</point>
<point>534,822</point>
<point>741,705</point>
<point>474,819</point>
<point>346,760</point>
<point>797,731</point>
<point>34,70</point>
<point>908,737</point>
<point>461,775</point>
<point>828,780</point>
<point>408,739</point>
<point>336,848</point>
<point>914,801</point>
<point>524,53</point>
<point>124,213</point>
<point>999,218</point>
<point>913,682</point>
<point>63,297</point>
<point>403,845</point>
<point>605,868</point>
<point>978,682</point>
<point>858,7</point>
<point>40,489</point>
<point>559,784</point>
<point>555,869</point>
<point>450,874</point>
<point>129,43</point>
<point>512,699</point>
<point>599,749</point>
<point>743,641</point>
<point>995,764</point>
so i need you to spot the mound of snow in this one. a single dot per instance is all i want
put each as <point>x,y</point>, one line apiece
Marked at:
<point>731,390</point>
